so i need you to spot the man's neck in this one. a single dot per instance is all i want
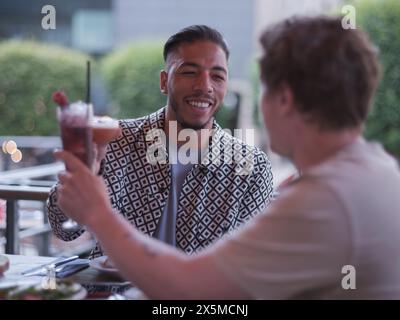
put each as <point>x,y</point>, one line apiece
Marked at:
<point>172,128</point>
<point>316,146</point>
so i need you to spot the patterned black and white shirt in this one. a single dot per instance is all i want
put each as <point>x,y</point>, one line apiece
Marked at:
<point>215,198</point>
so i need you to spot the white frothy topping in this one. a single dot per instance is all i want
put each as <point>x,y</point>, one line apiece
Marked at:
<point>104,122</point>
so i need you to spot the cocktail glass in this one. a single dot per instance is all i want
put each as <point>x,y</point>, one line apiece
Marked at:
<point>105,129</point>
<point>76,135</point>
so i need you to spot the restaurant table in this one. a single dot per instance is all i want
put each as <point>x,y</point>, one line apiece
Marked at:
<point>98,284</point>
<point>20,263</point>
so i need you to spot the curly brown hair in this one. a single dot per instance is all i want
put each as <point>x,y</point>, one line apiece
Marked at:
<point>332,72</point>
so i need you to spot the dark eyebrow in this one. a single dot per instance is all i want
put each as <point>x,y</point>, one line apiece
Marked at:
<point>195,65</point>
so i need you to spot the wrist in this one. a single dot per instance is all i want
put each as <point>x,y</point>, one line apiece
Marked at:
<point>99,218</point>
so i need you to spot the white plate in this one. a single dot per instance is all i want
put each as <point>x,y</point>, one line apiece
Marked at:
<point>98,264</point>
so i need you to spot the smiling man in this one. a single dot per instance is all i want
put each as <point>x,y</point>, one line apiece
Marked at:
<point>187,205</point>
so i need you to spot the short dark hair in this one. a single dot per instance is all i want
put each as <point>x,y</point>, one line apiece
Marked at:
<point>195,33</point>
<point>332,72</point>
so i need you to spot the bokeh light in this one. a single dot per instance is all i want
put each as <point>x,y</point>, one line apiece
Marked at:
<point>16,156</point>
<point>3,146</point>
<point>11,146</point>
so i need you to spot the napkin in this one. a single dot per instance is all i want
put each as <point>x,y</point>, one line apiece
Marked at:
<point>72,267</point>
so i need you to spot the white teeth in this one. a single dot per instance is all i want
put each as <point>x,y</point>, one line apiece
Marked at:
<point>199,104</point>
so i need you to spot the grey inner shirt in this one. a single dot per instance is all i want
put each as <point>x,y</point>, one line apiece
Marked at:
<point>166,228</point>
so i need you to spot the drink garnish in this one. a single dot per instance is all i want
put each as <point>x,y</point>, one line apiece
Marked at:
<point>60,98</point>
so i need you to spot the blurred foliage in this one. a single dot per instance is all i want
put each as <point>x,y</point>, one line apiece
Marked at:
<point>228,112</point>
<point>381,20</point>
<point>256,85</point>
<point>132,78</point>
<point>29,73</point>
<point>225,117</point>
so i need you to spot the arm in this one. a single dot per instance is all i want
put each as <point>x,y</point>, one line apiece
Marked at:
<point>150,264</point>
<point>154,266</point>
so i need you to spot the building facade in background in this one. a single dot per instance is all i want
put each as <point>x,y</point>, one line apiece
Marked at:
<point>99,26</point>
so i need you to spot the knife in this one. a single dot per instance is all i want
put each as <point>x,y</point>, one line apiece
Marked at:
<point>56,263</point>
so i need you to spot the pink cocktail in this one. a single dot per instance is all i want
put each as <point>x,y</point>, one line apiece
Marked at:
<point>76,132</point>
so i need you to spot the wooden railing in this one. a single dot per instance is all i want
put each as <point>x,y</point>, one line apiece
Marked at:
<point>12,231</point>
<point>23,184</point>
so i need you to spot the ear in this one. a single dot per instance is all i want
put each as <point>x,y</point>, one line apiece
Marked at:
<point>286,100</point>
<point>163,81</point>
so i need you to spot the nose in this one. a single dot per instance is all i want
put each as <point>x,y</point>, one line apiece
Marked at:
<point>203,83</point>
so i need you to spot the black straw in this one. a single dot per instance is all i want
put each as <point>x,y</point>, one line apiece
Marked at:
<point>88,82</point>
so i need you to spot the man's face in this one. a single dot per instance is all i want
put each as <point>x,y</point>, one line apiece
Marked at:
<point>195,82</point>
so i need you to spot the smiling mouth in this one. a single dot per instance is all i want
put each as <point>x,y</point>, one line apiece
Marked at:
<point>201,104</point>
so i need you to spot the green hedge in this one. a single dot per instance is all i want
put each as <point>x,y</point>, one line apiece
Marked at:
<point>381,19</point>
<point>132,79</point>
<point>29,73</point>
<point>256,88</point>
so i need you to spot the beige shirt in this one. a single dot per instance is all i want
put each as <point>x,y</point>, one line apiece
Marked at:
<point>345,211</point>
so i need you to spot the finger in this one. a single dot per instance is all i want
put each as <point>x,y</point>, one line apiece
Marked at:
<point>118,133</point>
<point>101,152</point>
<point>71,162</point>
<point>95,151</point>
<point>95,166</point>
<point>63,177</point>
<point>64,197</point>
<point>60,195</point>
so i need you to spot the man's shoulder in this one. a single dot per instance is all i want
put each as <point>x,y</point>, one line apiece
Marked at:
<point>228,140</point>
